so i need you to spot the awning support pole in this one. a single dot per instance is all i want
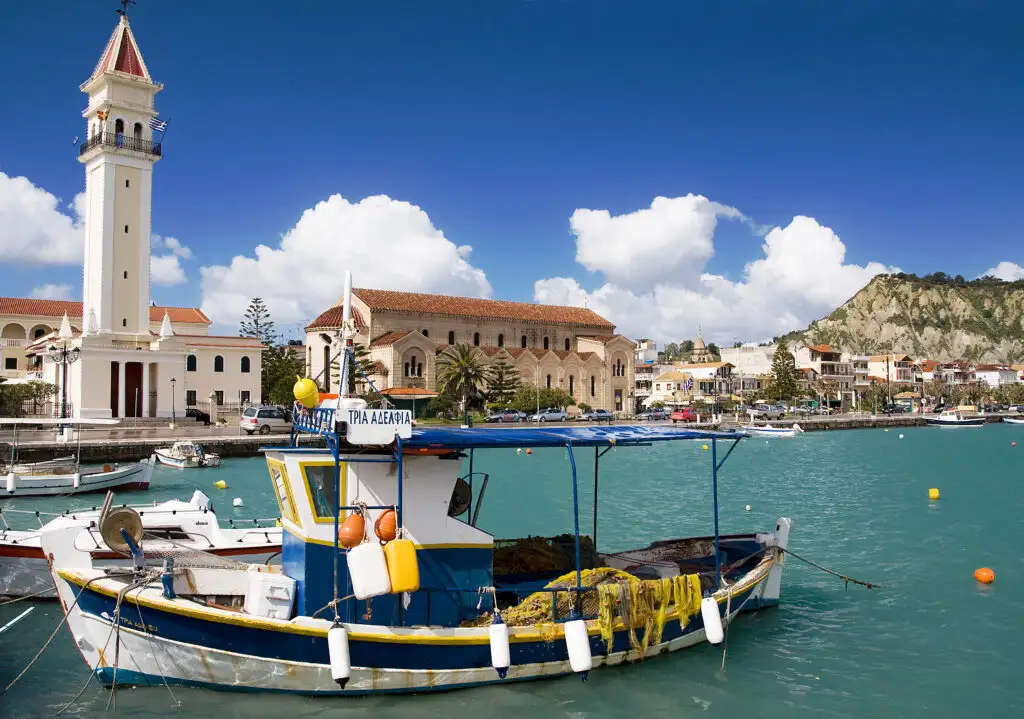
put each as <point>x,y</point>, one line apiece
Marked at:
<point>597,461</point>
<point>576,525</point>
<point>714,489</point>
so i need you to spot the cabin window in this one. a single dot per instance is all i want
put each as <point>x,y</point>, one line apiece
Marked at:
<point>283,492</point>
<point>245,364</point>
<point>319,479</point>
<point>218,363</point>
<point>545,343</point>
<point>501,340</point>
<point>549,381</point>
<point>451,337</point>
<point>476,339</point>
<point>567,344</point>
<point>190,363</point>
<point>522,342</point>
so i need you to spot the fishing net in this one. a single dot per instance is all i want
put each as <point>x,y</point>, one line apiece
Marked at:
<point>619,600</point>
<point>542,555</point>
<point>185,556</point>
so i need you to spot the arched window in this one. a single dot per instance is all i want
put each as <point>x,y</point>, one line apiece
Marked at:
<point>567,344</point>
<point>327,368</point>
<point>476,339</point>
<point>119,126</point>
<point>549,381</point>
<point>218,363</point>
<point>419,369</point>
<point>137,131</point>
<point>572,385</point>
<point>451,337</point>
<point>245,364</point>
<point>545,343</point>
<point>406,369</point>
<point>425,332</point>
<point>522,342</point>
<point>191,363</point>
<point>501,340</point>
<point>593,386</point>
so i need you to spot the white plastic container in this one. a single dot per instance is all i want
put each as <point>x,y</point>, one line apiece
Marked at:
<point>12,481</point>
<point>270,595</point>
<point>578,643</point>
<point>500,654</point>
<point>337,649</point>
<point>368,570</point>
<point>712,620</point>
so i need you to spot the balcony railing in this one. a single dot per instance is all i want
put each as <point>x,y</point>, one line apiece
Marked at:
<point>7,342</point>
<point>124,142</point>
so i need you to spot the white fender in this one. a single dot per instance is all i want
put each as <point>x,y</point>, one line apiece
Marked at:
<point>578,643</point>
<point>780,539</point>
<point>12,481</point>
<point>500,654</point>
<point>337,649</point>
<point>712,620</point>
<point>76,480</point>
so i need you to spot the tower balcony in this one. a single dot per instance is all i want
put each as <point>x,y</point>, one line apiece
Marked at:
<point>120,142</point>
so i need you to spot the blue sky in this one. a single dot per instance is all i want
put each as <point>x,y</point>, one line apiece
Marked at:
<point>896,125</point>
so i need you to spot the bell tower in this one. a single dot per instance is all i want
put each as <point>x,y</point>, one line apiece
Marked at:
<point>118,153</point>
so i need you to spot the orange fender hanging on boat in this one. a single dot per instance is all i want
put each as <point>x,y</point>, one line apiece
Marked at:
<point>352,530</point>
<point>427,451</point>
<point>386,526</point>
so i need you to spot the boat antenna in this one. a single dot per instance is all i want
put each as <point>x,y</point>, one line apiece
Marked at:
<point>347,332</point>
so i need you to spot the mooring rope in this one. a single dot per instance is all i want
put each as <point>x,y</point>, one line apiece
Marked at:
<point>846,579</point>
<point>27,596</point>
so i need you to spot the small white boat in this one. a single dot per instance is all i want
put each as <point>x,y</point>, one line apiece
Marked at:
<point>80,480</point>
<point>173,525</point>
<point>770,431</point>
<point>1014,420</point>
<point>955,418</point>
<point>187,455</point>
<point>48,466</point>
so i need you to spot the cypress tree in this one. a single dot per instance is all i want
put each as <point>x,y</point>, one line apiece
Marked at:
<point>784,383</point>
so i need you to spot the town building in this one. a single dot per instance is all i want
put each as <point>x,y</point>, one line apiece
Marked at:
<point>405,334</point>
<point>130,359</point>
<point>893,368</point>
<point>701,354</point>
<point>824,370</point>
<point>995,375</point>
<point>693,382</point>
<point>644,382</point>
<point>750,360</point>
<point>646,352</point>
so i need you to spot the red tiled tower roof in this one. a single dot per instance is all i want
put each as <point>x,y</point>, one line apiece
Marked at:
<point>122,54</point>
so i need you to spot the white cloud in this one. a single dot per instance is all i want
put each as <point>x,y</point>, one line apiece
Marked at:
<point>1009,271</point>
<point>669,241</point>
<point>51,292</point>
<point>159,242</point>
<point>386,243</point>
<point>802,276</point>
<point>166,270</point>
<point>33,227</point>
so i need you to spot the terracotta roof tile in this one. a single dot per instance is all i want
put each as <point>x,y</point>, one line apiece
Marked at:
<point>121,54</point>
<point>57,308</point>
<point>378,368</point>
<point>390,338</point>
<point>331,319</point>
<point>407,392</point>
<point>390,301</point>
<point>821,348</point>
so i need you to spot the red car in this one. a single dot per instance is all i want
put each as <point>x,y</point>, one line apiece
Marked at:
<point>683,415</point>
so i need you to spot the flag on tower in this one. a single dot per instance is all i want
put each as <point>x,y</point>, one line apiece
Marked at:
<point>103,114</point>
<point>157,124</point>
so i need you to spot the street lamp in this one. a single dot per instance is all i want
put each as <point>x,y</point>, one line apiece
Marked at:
<point>173,417</point>
<point>64,356</point>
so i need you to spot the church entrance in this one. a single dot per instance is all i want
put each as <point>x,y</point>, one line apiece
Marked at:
<point>133,398</point>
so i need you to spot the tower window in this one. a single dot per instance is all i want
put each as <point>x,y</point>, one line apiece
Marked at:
<point>137,131</point>
<point>566,344</point>
<point>451,337</point>
<point>119,126</point>
<point>126,274</point>
<point>127,183</point>
<point>549,381</point>
<point>425,332</point>
<point>522,342</point>
<point>124,322</point>
<point>190,364</point>
<point>501,340</point>
<point>476,339</point>
<point>545,339</point>
<point>245,364</point>
<point>126,229</point>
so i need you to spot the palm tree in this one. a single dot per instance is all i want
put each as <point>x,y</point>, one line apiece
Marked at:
<point>460,373</point>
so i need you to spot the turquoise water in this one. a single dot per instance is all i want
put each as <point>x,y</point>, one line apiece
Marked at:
<point>931,640</point>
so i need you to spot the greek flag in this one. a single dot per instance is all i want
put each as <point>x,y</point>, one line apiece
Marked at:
<point>157,125</point>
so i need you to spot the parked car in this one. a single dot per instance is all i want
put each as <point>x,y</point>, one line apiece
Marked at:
<point>495,417</point>
<point>513,415</point>
<point>199,415</point>
<point>894,409</point>
<point>597,415</point>
<point>264,419</point>
<point>550,414</point>
<point>762,410</point>
<point>652,414</point>
<point>686,414</point>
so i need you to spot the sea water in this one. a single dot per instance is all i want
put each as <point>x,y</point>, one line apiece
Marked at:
<point>929,642</point>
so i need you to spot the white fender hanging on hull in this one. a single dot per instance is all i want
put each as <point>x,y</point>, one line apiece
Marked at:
<point>337,649</point>
<point>712,620</point>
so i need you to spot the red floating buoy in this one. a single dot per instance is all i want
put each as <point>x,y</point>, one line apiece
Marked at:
<point>529,451</point>
<point>1013,444</point>
<point>985,575</point>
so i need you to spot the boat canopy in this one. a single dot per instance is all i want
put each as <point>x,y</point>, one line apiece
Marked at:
<point>619,436</point>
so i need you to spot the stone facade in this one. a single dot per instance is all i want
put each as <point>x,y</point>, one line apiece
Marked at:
<point>569,348</point>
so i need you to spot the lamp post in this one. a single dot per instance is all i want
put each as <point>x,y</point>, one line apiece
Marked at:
<point>173,415</point>
<point>64,356</point>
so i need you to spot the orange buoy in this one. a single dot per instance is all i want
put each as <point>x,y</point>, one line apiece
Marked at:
<point>386,526</point>
<point>106,468</point>
<point>351,531</point>
<point>985,575</point>
<point>1013,444</point>
<point>529,451</point>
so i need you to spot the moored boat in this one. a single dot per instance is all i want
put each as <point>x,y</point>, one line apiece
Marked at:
<point>955,418</point>
<point>768,430</point>
<point>187,455</point>
<point>171,525</point>
<point>1014,420</point>
<point>365,520</point>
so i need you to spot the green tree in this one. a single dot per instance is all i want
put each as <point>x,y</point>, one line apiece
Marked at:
<point>671,352</point>
<point>503,383</point>
<point>281,365</point>
<point>527,398</point>
<point>257,322</point>
<point>783,385</point>
<point>686,347</point>
<point>461,374</point>
<point>713,349</point>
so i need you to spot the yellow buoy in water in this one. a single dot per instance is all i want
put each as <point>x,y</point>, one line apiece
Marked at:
<point>306,392</point>
<point>933,494</point>
<point>704,447</point>
<point>220,484</point>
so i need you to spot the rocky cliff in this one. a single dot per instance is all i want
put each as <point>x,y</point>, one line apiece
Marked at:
<point>937,317</point>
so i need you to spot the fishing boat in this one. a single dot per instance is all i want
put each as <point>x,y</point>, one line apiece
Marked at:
<point>388,584</point>
<point>167,526</point>
<point>187,455</point>
<point>770,431</point>
<point>955,418</point>
<point>1014,420</point>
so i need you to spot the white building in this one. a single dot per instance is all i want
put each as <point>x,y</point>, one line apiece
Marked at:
<point>646,352</point>
<point>131,361</point>
<point>750,360</point>
<point>995,375</point>
<point>689,382</point>
<point>892,368</point>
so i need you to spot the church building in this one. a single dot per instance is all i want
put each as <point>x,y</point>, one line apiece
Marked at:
<point>131,359</point>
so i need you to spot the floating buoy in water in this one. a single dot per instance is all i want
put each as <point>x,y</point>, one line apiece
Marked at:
<point>519,450</point>
<point>1013,444</point>
<point>337,650</point>
<point>220,484</point>
<point>704,447</point>
<point>748,507</point>
<point>712,620</point>
<point>351,531</point>
<point>901,435</point>
<point>886,429</point>
<point>500,656</point>
<point>578,643</point>
<point>933,494</point>
<point>985,575</point>
<point>529,451</point>
<point>237,502</point>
